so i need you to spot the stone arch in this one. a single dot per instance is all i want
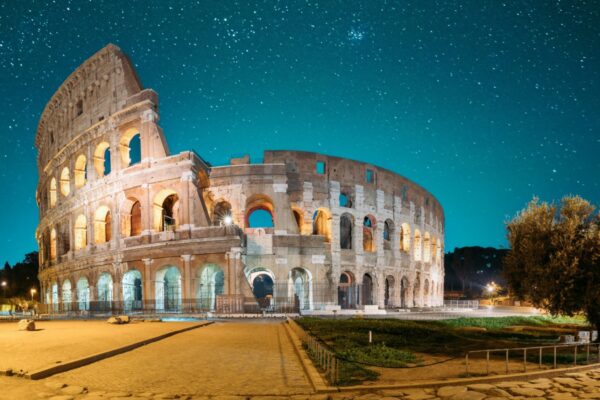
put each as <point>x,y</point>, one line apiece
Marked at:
<point>417,292</point>
<point>211,284</point>
<point>262,282</point>
<point>130,147</point>
<point>426,293</point>
<point>346,228</point>
<point>83,294</point>
<point>405,238</point>
<point>302,288</point>
<point>347,290</point>
<point>54,294</point>
<point>131,217</point>
<point>299,218</point>
<point>417,251</point>
<point>390,291</point>
<point>80,172</point>
<point>102,225</point>
<point>65,182</point>
<point>222,214</point>
<point>168,293</point>
<point>345,199</point>
<point>52,195</point>
<point>257,207</point>
<point>80,232</point>
<point>53,244</point>
<point>105,291</point>
<point>388,234</point>
<point>102,162</point>
<point>427,247</point>
<point>367,292</point>
<point>369,224</point>
<point>66,295</point>
<point>165,210</point>
<point>322,223</point>
<point>404,290</point>
<point>132,290</point>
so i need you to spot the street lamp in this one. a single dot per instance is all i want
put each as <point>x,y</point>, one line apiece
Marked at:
<point>4,288</point>
<point>33,292</point>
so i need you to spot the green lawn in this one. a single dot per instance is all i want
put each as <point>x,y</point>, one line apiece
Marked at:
<point>399,343</point>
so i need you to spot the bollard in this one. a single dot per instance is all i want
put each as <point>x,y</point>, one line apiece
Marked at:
<point>370,337</point>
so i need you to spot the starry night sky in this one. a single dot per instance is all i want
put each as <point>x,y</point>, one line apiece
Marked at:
<point>484,103</point>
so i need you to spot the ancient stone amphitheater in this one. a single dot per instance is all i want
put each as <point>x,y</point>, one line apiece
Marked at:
<point>127,226</point>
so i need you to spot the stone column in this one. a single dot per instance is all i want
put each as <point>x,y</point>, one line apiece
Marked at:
<point>187,280</point>
<point>380,300</point>
<point>148,286</point>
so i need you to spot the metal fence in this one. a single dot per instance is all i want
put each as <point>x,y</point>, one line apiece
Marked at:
<point>461,303</point>
<point>538,355</point>
<point>323,358</point>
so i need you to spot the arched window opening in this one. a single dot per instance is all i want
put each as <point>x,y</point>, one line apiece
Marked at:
<point>52,195</point>
<point>135,150</point>
<point>135,219</point>
<point>405,238</point>
<point>368,234</point>
<point>64,242</point>
<point>168,289</point>
<point>80,171</point>
<point>130,148</point>
<point>417,246</point>
<point>102,225</point>
<point>80,232</point>
<point>299,219</point>
<point>83,294</point>
<point>211,285</point>
<point>367,290</point>
<point>55,296</point>
<point>345,200</point>
<point>222,215</point>
<point>65,184</point>
<point>260,218</point>
<point>426,247</point>
<point>322,224</point>
<point>132,290</point>
<point>102,159</point>
<point>417,293</point>
<point>53,244</point>
<point>67,296</point>
<point>390,292</point>
<point>433,252</point>
<point>169,207</point>
<point>346,226</point>
<point>260,212</point>
<point>426,293</point>
<point>388,231</point>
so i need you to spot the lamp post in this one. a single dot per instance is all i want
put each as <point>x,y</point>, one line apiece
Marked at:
<point>491,289</point>
<point>33,292</point>
<point>3,289</point>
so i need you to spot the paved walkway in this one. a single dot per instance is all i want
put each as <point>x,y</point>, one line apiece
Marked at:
<point>232,358</point>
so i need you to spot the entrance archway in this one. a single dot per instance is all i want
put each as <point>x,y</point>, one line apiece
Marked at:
<point>301,281</point>
<point>404,285</point>
<point>347,291</point>
<point>132,290</point>
<point>168,289</point>
<point>83,294</point>
<point>367,290</point>
<point>66,295</point>
<point>390,291</point>
<point>105,291</point>
<point>211,284</point>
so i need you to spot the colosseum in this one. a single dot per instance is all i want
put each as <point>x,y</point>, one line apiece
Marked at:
<point>126,226</point>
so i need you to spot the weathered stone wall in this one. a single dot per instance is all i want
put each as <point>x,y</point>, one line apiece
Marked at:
<point>167,219</point>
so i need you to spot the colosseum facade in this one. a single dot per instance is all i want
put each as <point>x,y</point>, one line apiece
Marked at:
<point>127,226</point>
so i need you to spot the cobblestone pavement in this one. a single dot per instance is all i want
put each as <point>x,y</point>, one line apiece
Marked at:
<point>583,385</point>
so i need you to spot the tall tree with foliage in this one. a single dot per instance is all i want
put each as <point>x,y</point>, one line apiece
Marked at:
<point>554,257</point>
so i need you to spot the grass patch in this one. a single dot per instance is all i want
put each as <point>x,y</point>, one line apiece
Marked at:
<point>380,355</point>
<point>505,322</point>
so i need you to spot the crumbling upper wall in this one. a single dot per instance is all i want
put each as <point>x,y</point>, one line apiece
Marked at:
<point>302,167</point>
<point>98,88</point>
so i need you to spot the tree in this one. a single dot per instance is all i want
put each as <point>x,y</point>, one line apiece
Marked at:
<point>554,257</point>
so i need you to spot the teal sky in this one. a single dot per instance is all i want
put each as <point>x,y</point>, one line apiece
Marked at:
<point>484,103</point>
